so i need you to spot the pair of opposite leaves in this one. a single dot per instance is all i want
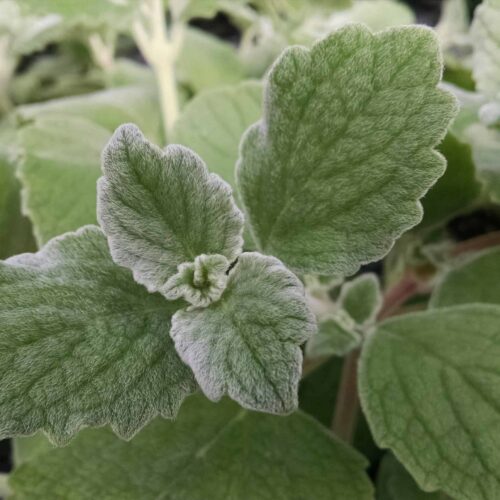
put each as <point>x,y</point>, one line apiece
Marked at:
<point>329,178</point>
<point>177,227</point>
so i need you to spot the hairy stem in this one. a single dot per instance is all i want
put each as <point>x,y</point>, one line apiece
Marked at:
<point>103,52</point>
<point>160,47</point>
<point>167,84</point>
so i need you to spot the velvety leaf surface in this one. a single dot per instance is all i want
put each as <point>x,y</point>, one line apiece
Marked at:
<point>82,344</point>
<point>486,42</point>
<point>430,387</point>
<point>211,452</point>
<point>361,298</point>
<point>394,483</point>
<point>247,345</point>
<point>333,173</point>
<point>457,189</point>
<point>62,142</point>
<point>213,122</point>
<point>161,208</point>
<point>477,279</point>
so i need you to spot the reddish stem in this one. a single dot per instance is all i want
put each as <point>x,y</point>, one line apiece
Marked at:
<point>478,243</point>
<point>346,412</point>
<point>396,296</point>
<point>347,402</point>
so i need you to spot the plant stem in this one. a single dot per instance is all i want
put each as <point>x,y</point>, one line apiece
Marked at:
<point>165,75</point>
<point>396,296</point>
<point>347,403</point>
<point>478,243</point>
<point>103,52</point>
<point>4,486</point>
<point>160,47</point>
<point>7,67</point>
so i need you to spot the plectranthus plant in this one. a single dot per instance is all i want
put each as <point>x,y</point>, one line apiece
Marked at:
<point>231,274</point>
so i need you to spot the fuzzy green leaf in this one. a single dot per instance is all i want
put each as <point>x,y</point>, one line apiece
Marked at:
<point>161,208</point>
<point>15,229</point>
<point>333,173</point>
<point>457,189</point>
<point>337,335</point>
<point>318,390</point>
<point>485,37</point>
<point>430,388</point>
<point>91,13</point>
<point>206,62</point>
<point>200,282</point>
<point>247,345</point>
<point>82,344</point>
<point>376,14</point>
<point>210,8</point>
<point>477,279</point>
<point>212,125</point>
<point>361,298</point>
<point>62,142</point>
<point>26,448</point>
<point>213,122</point>
<point>25,33</point>
<point>210,452</point>
<point>485,142</point>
